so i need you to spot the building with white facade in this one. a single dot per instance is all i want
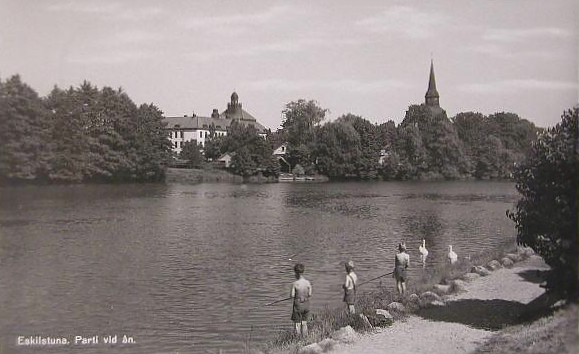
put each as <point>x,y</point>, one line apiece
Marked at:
<point>198,128</point>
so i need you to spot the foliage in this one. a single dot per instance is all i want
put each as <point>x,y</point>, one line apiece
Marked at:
<point>494,144</point>
<point>338,150</point>
<point>429,146</point>
<point>24,127</point>
<point>546,215</point>
<point>299,129</point>
<point>252,153</point>
<point>300,119</point>
<point>367,164</point>
<point>79,134</point>
<point>213,147</point>
<point>191,152</point>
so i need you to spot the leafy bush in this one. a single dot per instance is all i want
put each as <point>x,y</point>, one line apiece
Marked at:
<point>546,216</point>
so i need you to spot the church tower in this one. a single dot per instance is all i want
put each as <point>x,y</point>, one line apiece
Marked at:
<point>432,97</point>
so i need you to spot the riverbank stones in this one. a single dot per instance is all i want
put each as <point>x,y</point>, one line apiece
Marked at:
<point>414,299</point>
<point>507,262</point>
<point>458,286</point>
<point>514,257</point>
<point>441,289</point>
<point>382,318</point>
<point>396,307</point>
<point>327,344</point>
<point>314,348</point>
<point>385,313</point>
<point>480,270</point>
<point>413,303</point>
<point>345,335</point>
<point>493,265</point>
<point>468,277</point>
<point>525,252</point>
<point>428,299</point>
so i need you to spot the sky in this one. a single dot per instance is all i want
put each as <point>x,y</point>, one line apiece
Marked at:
<point>369,58</point>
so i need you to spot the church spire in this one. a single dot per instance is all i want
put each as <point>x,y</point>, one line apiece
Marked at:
<point>432,94</point>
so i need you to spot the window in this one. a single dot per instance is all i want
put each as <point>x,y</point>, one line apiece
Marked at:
<point>182,134</point>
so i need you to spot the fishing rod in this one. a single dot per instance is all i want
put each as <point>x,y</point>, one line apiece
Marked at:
<point>278,301</point>
<point>270,303</point>
<point>367,281</point>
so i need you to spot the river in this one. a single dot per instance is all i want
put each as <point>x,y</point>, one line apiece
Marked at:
<point>187,268</point>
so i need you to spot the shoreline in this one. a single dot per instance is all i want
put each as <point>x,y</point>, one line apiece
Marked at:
<point>448,289</point>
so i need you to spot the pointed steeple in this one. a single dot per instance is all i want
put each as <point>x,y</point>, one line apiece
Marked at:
<point>432,94</point>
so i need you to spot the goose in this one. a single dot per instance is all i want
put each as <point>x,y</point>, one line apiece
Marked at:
<point>452,257</point>
<point>423,251</point>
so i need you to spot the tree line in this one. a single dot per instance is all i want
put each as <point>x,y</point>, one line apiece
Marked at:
<point>87,134</point>
<point>79,134</point>
<point>425,145</point>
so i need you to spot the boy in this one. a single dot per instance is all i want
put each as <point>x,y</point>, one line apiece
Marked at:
<point>301,293</point>
<point>401,263</point>
<point>350,287</point>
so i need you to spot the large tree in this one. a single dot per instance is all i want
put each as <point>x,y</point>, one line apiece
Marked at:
<point>191,152</point>
<point>299,129</point>
<point>494,144</point>
<point>300,119</point>
<point>338,150</point>
<point>432,149</point>
<point>546,215</point>
<point>153,149</point>
<point>24,128</point>
<point>367,165</point>
<point>69,136</point>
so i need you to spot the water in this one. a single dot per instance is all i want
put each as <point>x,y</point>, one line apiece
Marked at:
<point>188,268</point>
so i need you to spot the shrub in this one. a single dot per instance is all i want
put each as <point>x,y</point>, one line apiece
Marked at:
<point>546,215</point>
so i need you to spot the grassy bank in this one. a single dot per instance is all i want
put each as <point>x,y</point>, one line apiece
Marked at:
<point>328,320</point>
<point>211,175</point>
<point>195,175</point>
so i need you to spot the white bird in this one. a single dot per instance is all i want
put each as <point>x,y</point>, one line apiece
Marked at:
<point>452,257</point>
<point>423,252</point>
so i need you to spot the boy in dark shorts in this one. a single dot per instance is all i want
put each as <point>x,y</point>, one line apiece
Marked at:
<point>301,293</point>
<point>401,263</point>
<point>350,287</point>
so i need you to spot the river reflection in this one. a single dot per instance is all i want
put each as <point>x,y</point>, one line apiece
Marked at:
<point>188,268</point>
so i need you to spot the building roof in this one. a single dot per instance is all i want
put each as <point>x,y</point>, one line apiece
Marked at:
<point>222,121</point>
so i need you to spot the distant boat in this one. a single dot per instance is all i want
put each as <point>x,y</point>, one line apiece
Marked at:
<point>286,177</point>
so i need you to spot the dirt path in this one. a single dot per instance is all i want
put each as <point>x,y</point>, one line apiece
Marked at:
<point>465,322</point>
